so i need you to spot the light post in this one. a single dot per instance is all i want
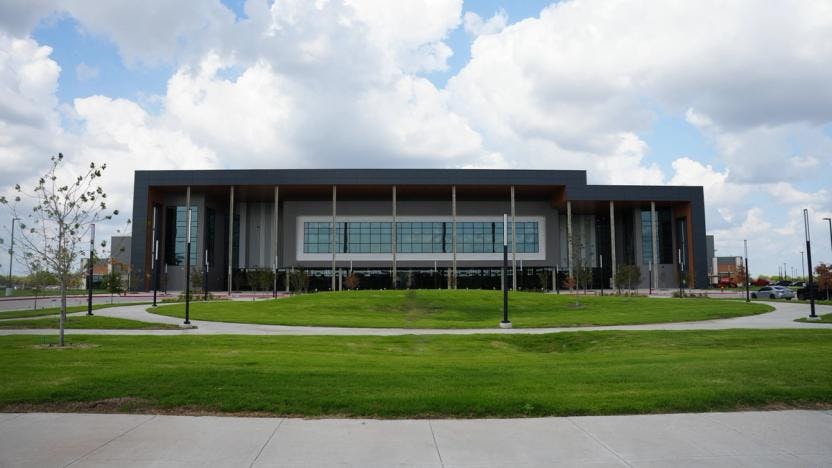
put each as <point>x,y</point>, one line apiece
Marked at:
<point>747,276</point>
<point>650,270</point>
<point>811,289</point>
<point>155,264</point>
<point>679,261</point>
<point>9,288</point>
<point>188,258</point>
<point>802,268</point>
<point>89,270</point>
<point>505,323</point>
<point>205,278</point>
<point>557,283</point>
<point>829,220</point>
<point>601,264</point>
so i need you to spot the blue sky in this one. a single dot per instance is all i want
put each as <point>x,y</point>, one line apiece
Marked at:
<point>601,86</point>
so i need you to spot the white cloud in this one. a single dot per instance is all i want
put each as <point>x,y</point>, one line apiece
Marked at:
<point>476,26</point>
<point>85,72</point>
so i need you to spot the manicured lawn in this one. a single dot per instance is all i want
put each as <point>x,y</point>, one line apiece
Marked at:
<point>460,309</point>
<point>602,372</point>
<point>826,318</point>
<point>84,322</point>
<point>57,310</point>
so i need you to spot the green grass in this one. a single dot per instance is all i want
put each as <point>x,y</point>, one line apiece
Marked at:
<point>460,309</point>
<point>57,310</point>
<point>84,322</point>
<point>825,318</point>
<point>602,372</point>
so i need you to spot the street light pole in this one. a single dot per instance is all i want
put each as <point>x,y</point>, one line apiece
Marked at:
<point>9,288</point>
<point>601,261</point>
<point>809,263</point>
<point>679,261</point>
<point>505,323</point>
<point>829,220</point>
<point>90,271</point>
<point>154,265</point>
<point>802,268</point>
<point>188,258</point>
<point>747,276</point>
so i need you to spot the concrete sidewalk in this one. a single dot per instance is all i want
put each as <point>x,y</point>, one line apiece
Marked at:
<point>758,439</point>
<point>782,317</point>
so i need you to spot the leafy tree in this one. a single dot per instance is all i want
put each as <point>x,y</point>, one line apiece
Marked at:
<point>352,281</point>
<point>824,273</point>
<point>113,283</point>
<point>298,280</point>
<point>56,216</point>
<point>740,275</point>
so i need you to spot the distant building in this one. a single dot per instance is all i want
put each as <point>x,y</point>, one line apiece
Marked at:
<point>726,269</point>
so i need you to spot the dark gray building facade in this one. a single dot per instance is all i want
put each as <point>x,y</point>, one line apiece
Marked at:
<point>416,228</point>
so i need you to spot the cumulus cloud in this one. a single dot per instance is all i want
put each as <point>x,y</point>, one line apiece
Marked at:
<point>476,26</point>
<point>85,72</point>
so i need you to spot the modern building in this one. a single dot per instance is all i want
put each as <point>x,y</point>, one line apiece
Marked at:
<point>431,228</point>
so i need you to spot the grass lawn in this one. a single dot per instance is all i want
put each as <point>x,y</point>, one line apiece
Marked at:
<point>84,322</point>
<point>826,318</point>
<point>603,372</point>
<point>460,309</point>
<point>57,310</point>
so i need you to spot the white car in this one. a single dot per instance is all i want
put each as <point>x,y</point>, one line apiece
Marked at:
<point>773,292</point>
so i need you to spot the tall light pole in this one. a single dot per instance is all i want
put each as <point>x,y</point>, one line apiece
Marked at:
<point>829,220</point>
<point>505,323</point>
<point>809,263</point>
<point>154,265</point>
<point>747,276</point>
<point>188,257</point>
<point>802,268</point>
<point>9,288</point>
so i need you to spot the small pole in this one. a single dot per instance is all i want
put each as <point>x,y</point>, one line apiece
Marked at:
<point>188,260</point>
<point>809,264</point>
<point>505,323</point>
<point>679,261</point>
<point>154,264</point>
<point>166,279</point>
<point>205,278</point>
<point>650,270</point>
<point>89,270</point>
<point>747,276</point>
<point>274,286</point>
<point>601,263</point>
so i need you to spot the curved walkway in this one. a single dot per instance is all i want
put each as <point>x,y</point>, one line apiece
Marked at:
<point>782,317</point>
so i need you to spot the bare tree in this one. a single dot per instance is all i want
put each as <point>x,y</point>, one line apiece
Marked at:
<point>57,220</point>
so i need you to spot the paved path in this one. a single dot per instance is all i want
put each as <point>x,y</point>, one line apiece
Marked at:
<point>782,317</point>
<point>752,439</point>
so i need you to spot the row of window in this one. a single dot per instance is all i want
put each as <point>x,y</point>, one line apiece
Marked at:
<point>664,236</point>
<point>416,237</point>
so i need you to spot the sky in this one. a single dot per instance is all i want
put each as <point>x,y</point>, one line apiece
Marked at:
<point>722,94</point>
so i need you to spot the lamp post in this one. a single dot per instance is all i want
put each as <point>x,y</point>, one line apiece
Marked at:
<point>9,288</point>
<point>829,220</point>
<point>679,261</point>
<point>505,323</point>
<point>650,270</point>
<point>802,268</point>
<point>601,264</point>
<point>155,264</point>
<point>89,270</point>
<point>747,276</point>
<point>188,258</point>
<point>205,278</point>
<point>809,263</point>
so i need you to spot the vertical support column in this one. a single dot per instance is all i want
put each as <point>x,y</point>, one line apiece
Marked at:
<point>394,239</point>
<point>230,238</point>
<point>613,263</point>
<point>453,235</point>
<point>513,244</point>
<point>333,233</point>
<point>275,225</point>
<point>654,232</point>
<point>569,246</point>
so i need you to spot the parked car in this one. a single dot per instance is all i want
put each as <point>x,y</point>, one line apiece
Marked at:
<point>798,284</point>
<point>761,282</point>
<point>803,293</point>
<point>773,292</point>
<point>783,283</point>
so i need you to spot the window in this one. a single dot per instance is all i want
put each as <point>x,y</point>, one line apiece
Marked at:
<point>417,237</point>
<point>664,232</point>
<point>175,232</point>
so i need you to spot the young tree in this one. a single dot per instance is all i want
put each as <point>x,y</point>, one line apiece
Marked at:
<point>740,276</point>
<point>352,281</point>
<point>571,283</point>
<point>824,273</point>
<point>55,220</point>
<point>113,283</point>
